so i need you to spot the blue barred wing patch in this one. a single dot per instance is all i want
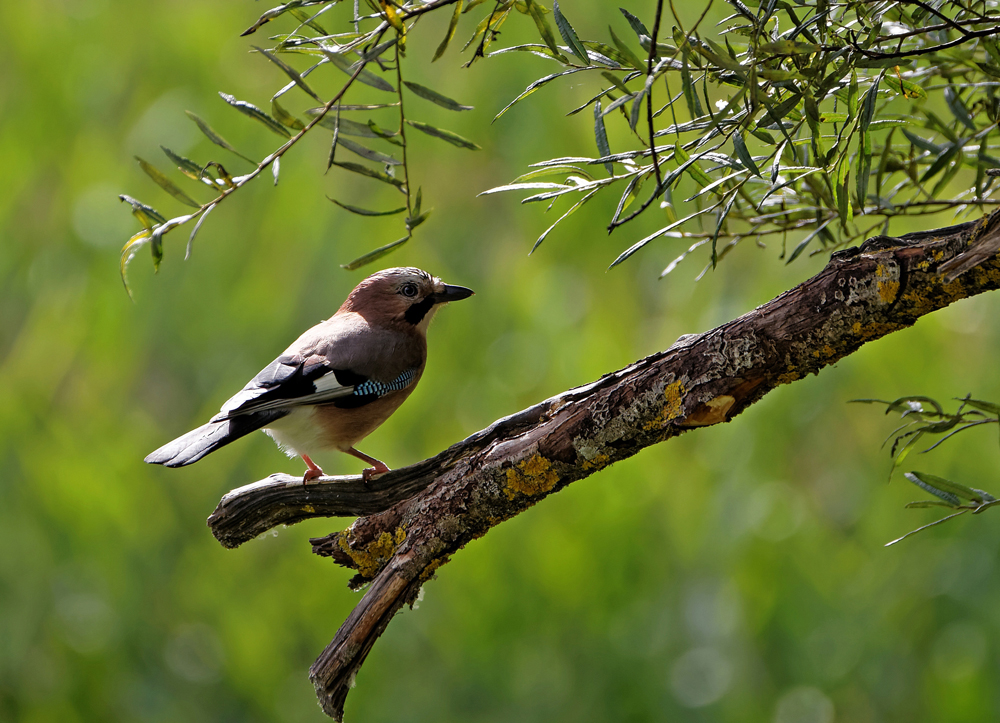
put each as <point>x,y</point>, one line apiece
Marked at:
<point>380,389</point>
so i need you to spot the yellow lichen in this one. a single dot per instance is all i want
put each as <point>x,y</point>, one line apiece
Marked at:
<point>373,557</point>
<point>533,476</point>
<point>674,406</point>
<point>429,571</point>
<point>308,508</point>
<point>887,286</point>
<point>825,352</point>
<point>598,461</point>
<point>788,377</point>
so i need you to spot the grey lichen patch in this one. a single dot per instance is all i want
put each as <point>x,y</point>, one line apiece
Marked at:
<point>864,290</point>
<point>731,355</point>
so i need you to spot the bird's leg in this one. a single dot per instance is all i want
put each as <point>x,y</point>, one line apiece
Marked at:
<point>378,468</point>
<point>313,471</point>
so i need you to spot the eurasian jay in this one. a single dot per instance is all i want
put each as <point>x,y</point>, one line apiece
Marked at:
<point>338,381</point>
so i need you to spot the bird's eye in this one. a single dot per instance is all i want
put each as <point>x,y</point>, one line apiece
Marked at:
<point>409,290</point>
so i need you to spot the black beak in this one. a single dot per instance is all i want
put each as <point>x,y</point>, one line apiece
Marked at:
<point>452,293</point>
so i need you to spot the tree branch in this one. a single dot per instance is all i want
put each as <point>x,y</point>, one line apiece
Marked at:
<point>413,519</point>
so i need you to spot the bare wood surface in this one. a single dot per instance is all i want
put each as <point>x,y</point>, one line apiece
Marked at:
<point>413,519</point>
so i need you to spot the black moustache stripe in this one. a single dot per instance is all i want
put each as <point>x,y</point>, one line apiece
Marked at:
<point>416,313</point>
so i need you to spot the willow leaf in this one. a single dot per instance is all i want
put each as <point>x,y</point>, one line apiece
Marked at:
<point>147,215</point>
<point>451,32</point>
<point>535,86</point>
<point>374,255</point>
<point>569,34</point>
<point>371,173</point>
<point>364,211</point>
<point>368,152</point>
<point>365,76</point>
<point>289,71</point>
<point>252,111</point>
<point>435,97</point>
<point>449,136</point>
<point>215,137</point>
<point>166,184</point>
<point>601,135</point>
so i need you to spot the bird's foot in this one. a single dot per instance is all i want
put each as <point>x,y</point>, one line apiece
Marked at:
<point>370,472</point>
<point>313,471</point>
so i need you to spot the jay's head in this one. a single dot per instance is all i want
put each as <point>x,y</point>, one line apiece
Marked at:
<point>405,295</point>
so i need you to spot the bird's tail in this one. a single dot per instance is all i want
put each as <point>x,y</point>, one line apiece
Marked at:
<point>209,437</point>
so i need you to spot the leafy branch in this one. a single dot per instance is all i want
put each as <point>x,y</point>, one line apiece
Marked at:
<point>811,125</point>
<point>926,416</point>
<point>353,53</point>
<point>787,124</point>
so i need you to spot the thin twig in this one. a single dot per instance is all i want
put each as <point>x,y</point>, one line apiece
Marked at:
<point>649,93</point>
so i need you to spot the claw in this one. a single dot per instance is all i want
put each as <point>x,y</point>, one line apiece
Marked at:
<point>313,471</point>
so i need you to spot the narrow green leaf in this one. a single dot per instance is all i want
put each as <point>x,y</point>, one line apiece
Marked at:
<point>852,95</point>
<point>271,15</point>
<point>535,86</point>
<point>628,196</point>
<point>291,72</point>
<point>958,108</point>
<point>371,173</point>
<point>346,127</point>
<point>569,34</point>
<point>633,117</point>
<point>631,58</point>
<point>450,137</point>
<point>306,19</point>
<point>561,169</point>
<point>284,117</point>
<point>195,230</point>
<point>542,23</point>
<point>368,152</point>
<point>635,23</point>
<point>185,165</point>
<point>365,76</point>
<point>129,251</point>
<point>743,154</point>
<point>451,32</point>
<point>616,81</point>
<point>719,224</point>
<point>386,135</point>
<point>989,407</point>
<point>215,137</point>
<point>374,255</point>
<point>789,47</point>
<point>920,504</point>
<point>904,87</point>
<point>435,97</point>
<point>601,135</point>
<point>417,219</point>
<point>950,492</point>
<point>922,143</point>
<point>568,213</point>
<point>147,215</point>
<point>166,184</point>
<point>950,151</point>
<point>690,94</point>
<point>252,111</point>
<point>364,211</point>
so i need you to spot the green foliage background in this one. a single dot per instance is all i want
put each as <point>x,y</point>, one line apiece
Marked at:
<point>735,574</point>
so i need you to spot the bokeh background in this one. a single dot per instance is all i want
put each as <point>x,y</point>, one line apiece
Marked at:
<point>735,574</point>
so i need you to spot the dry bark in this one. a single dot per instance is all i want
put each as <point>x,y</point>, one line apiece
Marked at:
<point>413,519</point>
